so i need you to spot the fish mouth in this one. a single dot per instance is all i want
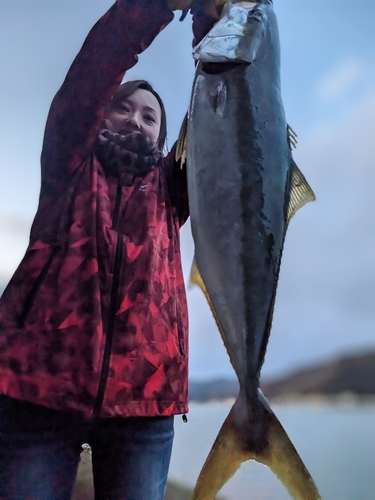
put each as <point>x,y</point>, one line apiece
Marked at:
<point>235,37</point>
<point>215,68</point>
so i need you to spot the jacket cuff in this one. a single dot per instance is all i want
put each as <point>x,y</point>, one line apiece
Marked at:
<point>146,18</point>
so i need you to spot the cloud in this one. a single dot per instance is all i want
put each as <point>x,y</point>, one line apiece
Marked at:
<point>342,79</point>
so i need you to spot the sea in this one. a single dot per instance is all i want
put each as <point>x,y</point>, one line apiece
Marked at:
<point>335,439</point>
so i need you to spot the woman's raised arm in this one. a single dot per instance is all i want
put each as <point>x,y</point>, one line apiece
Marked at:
<point>110,49</point>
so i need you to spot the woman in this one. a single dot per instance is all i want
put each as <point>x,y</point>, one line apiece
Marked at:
<point>94,321</point>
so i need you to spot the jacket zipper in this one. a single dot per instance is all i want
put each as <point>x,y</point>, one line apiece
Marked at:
<point>180,337</point>
<point>112,308</point>
<point>180,343</point>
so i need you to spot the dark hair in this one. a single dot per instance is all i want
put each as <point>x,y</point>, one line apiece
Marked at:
<point>127,89</point>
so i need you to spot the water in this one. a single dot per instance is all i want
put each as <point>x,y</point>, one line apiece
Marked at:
<point>335,441</point>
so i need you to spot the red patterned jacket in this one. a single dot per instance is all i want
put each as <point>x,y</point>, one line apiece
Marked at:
<point>95,317</point>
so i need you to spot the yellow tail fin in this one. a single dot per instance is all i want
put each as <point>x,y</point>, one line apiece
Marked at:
<point>227,454</point>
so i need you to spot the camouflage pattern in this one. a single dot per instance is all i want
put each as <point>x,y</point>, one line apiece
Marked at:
<point>95,317</point>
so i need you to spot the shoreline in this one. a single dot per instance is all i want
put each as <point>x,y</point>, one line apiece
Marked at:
<point>346,398</point>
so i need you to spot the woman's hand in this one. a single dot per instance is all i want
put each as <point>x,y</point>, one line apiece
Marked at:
<point>211,7</point>
<point>179,4</point>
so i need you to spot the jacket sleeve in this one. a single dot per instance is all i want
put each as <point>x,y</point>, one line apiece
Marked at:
<point>110,49</point>
<point>177,185</point>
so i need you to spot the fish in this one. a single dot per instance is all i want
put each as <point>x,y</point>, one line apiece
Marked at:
<point>244,187</point>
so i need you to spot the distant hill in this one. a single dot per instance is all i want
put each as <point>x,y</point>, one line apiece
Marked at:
<point>355,374</point>
<point>215,389</point>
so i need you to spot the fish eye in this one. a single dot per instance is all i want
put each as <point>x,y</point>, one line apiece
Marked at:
<point>255,14</point>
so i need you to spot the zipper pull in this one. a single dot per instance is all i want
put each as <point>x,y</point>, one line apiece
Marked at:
<point>182,351</point>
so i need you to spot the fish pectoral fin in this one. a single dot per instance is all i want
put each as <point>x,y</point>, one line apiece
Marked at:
<point>181,143</point>
<point>300,192</point>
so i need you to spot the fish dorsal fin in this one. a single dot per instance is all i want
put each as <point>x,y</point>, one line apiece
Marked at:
<point>196,279</point>
<point>181,142</point>
<point>292,137</point>
<point>300,192</point>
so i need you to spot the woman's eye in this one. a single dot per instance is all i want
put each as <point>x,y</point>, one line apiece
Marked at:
<point>124,109</point>
<point>150,118</point>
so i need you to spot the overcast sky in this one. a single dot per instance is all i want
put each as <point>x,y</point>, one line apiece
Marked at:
<point>326,297</point>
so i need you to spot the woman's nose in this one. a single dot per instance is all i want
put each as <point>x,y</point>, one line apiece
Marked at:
<point>134,122</point>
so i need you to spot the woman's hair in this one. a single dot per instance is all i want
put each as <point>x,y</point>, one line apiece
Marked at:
<point>127,89</point>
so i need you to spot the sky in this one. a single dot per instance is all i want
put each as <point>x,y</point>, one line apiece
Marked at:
<point>325,303</point>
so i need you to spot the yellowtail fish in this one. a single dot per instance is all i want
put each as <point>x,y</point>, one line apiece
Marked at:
<point>243,189</point>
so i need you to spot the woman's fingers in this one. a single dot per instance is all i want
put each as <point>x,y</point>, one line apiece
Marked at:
<point>210,7</point>
<point>179,4</point>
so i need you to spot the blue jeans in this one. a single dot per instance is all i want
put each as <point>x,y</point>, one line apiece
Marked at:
<point>40,452</point>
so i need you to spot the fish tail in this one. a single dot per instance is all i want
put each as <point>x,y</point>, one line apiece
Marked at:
<point>231,449</point>
<point>282,458</point>
<point>224,459</point>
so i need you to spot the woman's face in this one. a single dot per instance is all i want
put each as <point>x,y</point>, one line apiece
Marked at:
<point>139,112</point>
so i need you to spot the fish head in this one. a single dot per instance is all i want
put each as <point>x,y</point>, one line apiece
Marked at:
<point>239,33</point>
